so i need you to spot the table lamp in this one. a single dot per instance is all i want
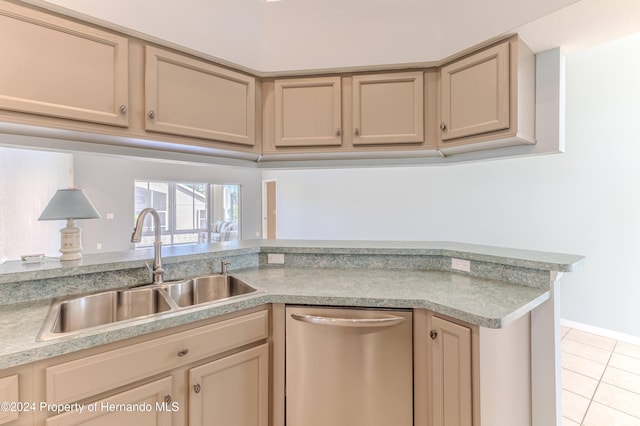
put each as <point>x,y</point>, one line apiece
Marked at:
<point>70,204</point>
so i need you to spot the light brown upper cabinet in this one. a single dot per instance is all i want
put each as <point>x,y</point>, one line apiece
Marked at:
<point>388,108</point>
<point>487,99</point>
<point>57,67</point>
<point>189,97</point>
<point>308,112</point>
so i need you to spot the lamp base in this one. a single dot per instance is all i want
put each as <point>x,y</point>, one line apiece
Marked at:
<point>71,241</point>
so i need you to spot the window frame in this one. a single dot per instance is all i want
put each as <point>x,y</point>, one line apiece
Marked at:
<point>170,230</point>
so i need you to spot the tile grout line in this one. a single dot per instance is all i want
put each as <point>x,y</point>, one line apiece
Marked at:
<point>598,385</point>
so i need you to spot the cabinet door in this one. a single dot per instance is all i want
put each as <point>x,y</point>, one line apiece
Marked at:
<point>450,374</point>
<point>232,391</point>
<point>56,67</point>
<point>308,112</point>
<point>9,393</point>
<point>475,94</point>
<point>388,108</point>
<point>145,405</point>
<point>188,97</point>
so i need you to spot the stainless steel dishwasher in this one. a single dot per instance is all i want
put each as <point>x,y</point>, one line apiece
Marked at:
<point>348,367</point>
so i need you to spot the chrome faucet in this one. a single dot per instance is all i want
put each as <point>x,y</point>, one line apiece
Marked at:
<point>157,270</point>
<point>223,267</point>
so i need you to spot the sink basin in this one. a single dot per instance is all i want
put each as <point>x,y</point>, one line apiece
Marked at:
<point>107,307</point>
<point>207,289</point>
<point>72,315</point>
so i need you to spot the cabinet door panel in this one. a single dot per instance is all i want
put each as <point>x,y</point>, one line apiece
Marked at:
<point>147,402</point>
<point>475,94</point>
<point>451,374</point>
<point>55,67</point>
<point>232,391</point>
<point>9,393</point>
<point>308,112</point>
<point>184,96</point>
<point>388,108</point>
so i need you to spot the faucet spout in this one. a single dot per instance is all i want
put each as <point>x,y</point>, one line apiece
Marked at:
<point>157,270</point>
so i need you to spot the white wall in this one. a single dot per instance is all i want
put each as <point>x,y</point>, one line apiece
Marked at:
<point>585,201</point>
<point>28,180</point>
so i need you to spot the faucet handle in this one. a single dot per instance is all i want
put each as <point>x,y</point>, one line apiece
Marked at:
<point>223,266</point>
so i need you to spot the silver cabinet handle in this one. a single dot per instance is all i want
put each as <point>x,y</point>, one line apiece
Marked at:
<point>389,321</point>
<point>152,114</point>
<point>123,109</point>
<point>443,126</point>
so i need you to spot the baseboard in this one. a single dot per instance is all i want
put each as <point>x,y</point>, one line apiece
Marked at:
<point>634,340</point>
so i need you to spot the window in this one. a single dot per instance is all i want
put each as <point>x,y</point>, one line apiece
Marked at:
<point>189,213</point>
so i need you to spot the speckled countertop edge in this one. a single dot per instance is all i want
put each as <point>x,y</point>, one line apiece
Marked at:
<point>487,303</point>
<point>533,259</point>
<point>15,271</point>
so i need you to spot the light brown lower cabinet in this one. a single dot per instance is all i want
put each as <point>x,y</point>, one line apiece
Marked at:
<point>451,383</point>
<point>214,373</point>
<point>232,391</point>
<point>144,405</point>
<point>466,375</point>
<point>16,396</point>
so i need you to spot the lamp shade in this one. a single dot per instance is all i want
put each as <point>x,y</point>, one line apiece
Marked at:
<point>69,203</point>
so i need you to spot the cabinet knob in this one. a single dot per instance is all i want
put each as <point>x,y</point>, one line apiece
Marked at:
<point>434,334</point>
<point>443,126</point>
<point>123,109</point>
<point>183,352</point>
<point>357,132</point>
<point>338,133</point>
<point>152,115</point>
<point>197,388</point>
<point>167,399</point>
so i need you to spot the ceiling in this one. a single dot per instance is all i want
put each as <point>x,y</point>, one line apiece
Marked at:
<point>299,36</point>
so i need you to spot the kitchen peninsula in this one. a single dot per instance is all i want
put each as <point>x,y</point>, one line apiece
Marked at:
<point>504,297</point>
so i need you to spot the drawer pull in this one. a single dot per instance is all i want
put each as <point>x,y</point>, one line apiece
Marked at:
<point>183,352</point>
<point>152,114</point>
<point>197,388</point>
<point>167,399</point>
<point>434,334</point>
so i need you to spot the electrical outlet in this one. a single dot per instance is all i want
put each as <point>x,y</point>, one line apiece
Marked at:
<point>109,216</point>
<point>461,264</point>
<point>99,246</point>
<point>275,258</point>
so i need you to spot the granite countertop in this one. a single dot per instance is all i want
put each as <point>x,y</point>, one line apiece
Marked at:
<point>479,301</point>
<point>16,271</point>
<point>486,302</point>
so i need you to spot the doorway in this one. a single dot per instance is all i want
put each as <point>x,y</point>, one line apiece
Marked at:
<point>269,209</point>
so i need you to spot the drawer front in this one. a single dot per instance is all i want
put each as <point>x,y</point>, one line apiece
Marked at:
<point>82,378</point>
<point>9,393</point>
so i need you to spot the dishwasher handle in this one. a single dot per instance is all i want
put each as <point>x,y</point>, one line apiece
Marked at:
<point>388,321</point>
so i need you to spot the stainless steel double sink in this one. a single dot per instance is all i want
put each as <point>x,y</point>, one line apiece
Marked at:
<point>72,315</point>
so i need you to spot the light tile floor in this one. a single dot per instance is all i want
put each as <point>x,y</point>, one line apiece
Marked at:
<point>600,380</point>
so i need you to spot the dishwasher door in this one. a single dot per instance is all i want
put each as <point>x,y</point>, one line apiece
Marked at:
<point>348,367</point>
